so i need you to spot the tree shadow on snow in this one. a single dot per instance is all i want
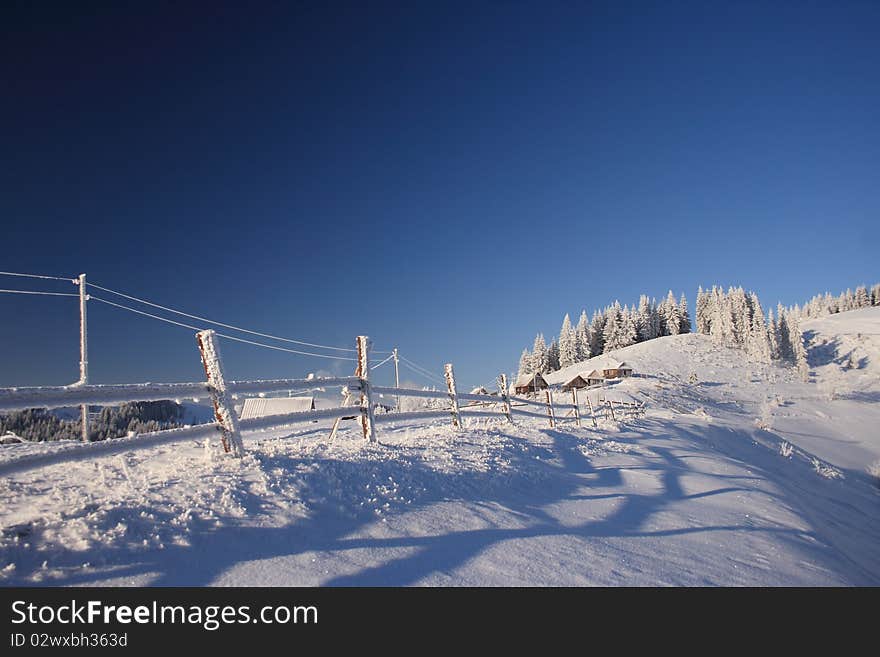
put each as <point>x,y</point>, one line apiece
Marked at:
<point>537,479</point>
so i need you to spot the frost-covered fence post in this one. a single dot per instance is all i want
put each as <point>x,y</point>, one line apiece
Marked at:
<point>83,352</point>
<point>574,403</point>
<point>453,395</point>
<point>368,423</point>
<point>592,412</point>
<point>611,406</point>
<point>504,393</point>
<point>550,408</point>
<point>224,413</point>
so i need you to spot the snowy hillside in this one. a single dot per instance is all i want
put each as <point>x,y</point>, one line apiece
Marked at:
<point>736,474</point>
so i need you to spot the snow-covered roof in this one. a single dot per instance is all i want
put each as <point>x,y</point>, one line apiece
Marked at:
<point>527,379</point>
<point>479,390</point>
<point>265,406</point>
<point>622,366</point>
<point>595,374</point>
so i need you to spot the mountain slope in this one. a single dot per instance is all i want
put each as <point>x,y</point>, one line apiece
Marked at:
<point>745,477</point>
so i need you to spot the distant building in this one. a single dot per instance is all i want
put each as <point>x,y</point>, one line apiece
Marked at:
<point>530,383</point>
<point>593,378</point>
<point>621,370</point>
<point>578,381</point>
<point>265,406</point>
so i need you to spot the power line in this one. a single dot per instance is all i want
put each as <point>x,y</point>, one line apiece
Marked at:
<point>51,294</point>
<point>211,321</point>
<point>418,369</point>
<point>222,335</point>
<point>49,278</point>
<point>372,367</point>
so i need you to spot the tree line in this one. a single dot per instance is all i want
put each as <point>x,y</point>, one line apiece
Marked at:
<point>39,424</point>
<point>614,327</point>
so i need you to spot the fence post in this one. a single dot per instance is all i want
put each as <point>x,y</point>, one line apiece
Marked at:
<point>550,408</point>
<point>504,391</point>
<point>574,402</point>
<point>453,395</point>
<point>224,413</point>
<point>363,373</point>
<point>611,406</point>
<point>83,352</point>
<point>592,412</point>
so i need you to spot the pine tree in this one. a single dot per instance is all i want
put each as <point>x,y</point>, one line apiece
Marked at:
<point>703,311</point>
<point>685,326</point>
<point>568,351</point>
<point>875,295</point>
<point>525,364</point>
<point>628,333</point>
<point>773,336</point>
<point>783,335</point>
<point>644,324</point>
<point>671,316</point>
<point>539,355</point>
<point>582,337</point>
<point>597,333</point>
<point>862,300</point>
<point>758,344</point>
<point>612,332</point>
<point>552,357</point>
<point>797,343</point>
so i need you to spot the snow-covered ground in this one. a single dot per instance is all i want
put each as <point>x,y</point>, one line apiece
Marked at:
<point>746,476</point>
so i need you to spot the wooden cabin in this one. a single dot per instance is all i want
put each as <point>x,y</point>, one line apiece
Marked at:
<point>578,381</point>
<point>594,378</point>
<point>530,383</point>
<point>619,371</point>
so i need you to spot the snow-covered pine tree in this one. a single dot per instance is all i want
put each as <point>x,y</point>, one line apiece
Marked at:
<point>671,316</point>
<point>862,299</point>
<point>684,315</point>
<point>772,336</point>
<point>597,333</point>
<point>740,318</point>
<point>758,342</point>
<point>644,323</point>
<point>552,357</point>
<point>539,354</point>
<point>875,295</point>
<point>582,337</point>
<point>703,311</point>
<point>612,333</point>
<point>783,335</point>
<point>797,344</point>
<point>719,323</point>
<point>525,364</point>
<point>568,351</point>
<point>628,333</point>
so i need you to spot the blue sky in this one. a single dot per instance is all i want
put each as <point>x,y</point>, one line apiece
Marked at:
<point>447,178</point>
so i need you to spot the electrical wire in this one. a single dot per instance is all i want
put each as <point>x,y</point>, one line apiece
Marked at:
<point>51,294</point>
<point>372,367</point>
<point>424,370</point>
<point>48,278</point>
<point>418,369</point>
<point>222,335</point>
<point>211,321</point>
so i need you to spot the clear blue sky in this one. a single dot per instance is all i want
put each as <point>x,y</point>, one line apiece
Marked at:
<point>448,178</point>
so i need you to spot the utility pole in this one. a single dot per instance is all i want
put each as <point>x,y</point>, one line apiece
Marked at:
<point>83,353</point>
<point>396,377</point>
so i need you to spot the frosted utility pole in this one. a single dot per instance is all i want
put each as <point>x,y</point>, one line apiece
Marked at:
<point>83,353</point>
<point>396,377</point>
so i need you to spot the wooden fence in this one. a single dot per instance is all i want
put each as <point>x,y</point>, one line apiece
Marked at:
<point>229,427</point>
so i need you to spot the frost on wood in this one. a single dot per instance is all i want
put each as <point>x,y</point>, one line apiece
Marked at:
<point>504,392</point>
<point>363,372</point>
<point>453,396</point>
<point>223,409</point>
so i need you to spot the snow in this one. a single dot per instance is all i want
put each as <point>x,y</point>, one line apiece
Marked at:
<point>747,476</point>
